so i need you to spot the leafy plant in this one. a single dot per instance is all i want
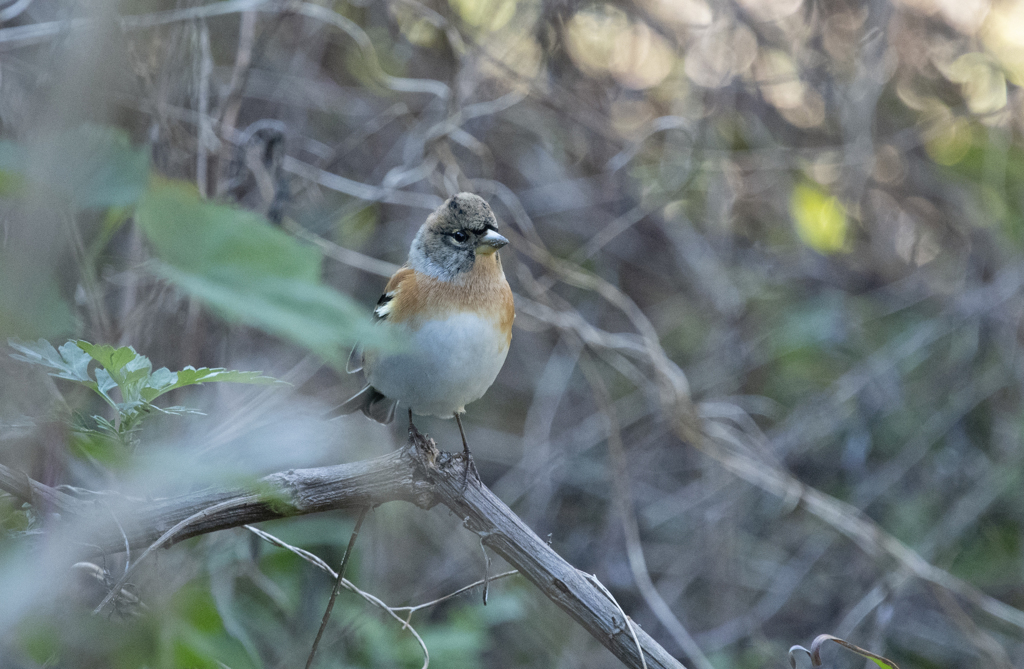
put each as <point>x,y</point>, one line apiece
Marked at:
<point>131,374</point>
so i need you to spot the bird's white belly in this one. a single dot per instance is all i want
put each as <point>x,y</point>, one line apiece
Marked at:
<point>447,365</point>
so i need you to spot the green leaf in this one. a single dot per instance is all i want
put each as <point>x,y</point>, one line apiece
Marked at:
<point>12,161</point>
<point>88,167</point>
<point>177,411</point>
<point>92,166</point>
<point>250,271</point>
<point>112,359</point>
<point>190,375</point>
<point>98,441</point>
<point>311,315</point>
<point>124,365</point>
<point>133,373</point>
<point>70,362</point>
<point>104,383</point>
<point>202,237</point>
<point>31,304</point>
<point>162,380</point>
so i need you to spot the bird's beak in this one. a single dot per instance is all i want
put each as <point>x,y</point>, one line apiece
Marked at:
<point>490,243</point>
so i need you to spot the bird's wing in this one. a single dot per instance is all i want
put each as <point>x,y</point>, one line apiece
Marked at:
<point>380,313</point>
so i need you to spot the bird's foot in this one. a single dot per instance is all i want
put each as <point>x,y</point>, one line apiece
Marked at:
<point>467,458</point>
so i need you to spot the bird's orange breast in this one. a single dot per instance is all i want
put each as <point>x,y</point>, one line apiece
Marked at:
<point>482,290</point>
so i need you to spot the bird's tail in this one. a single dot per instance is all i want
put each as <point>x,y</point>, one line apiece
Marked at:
<point>371,402</point>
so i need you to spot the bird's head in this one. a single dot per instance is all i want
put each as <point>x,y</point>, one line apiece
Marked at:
<point>459,232</point>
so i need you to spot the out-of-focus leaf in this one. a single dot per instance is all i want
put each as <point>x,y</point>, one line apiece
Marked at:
<point>202,237</point>
<point>820,218</point>
<point>250,271</point>
<point>815,652</point>
<point>949,140</point>
<point>222,589</point>
<point>311,315</point>
<point>30,303</point>
<point>98,445</point>
<point>12,160</point>
<point>93,166</point>
<point>199,637</point>
<point>489,15</point>
<point>1001,191</point>
<point>981,80</point>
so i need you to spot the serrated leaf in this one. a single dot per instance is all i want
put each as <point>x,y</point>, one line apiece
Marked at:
<point>77,361</point>
<point>131,407</point>
<point>163,381</point>
<point>178,411</point>
<point>69,362</point>
<point>112,359</point>
<point>125,366</point>
<point>191,375</point>
<point>132,373</point>
<point>104,383</point>
<point>159,382</point>
<point>103,423</point>
<point>135,376</point>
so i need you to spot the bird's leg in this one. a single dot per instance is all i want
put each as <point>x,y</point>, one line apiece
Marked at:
<point>467,456</point>
<point>413,432</point>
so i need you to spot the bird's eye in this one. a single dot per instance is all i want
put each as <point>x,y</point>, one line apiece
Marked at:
<point>460,236</point>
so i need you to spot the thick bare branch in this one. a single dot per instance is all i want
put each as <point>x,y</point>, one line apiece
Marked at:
<point>420,474</point>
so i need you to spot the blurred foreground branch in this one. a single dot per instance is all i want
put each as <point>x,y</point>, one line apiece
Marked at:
<point>420,474</point>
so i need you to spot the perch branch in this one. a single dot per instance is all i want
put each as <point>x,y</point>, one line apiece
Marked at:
<point>419,473</point>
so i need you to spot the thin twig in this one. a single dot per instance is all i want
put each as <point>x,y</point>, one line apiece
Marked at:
<point>626,619</point>
<point>627,515</point>
<point>337,585</point>
<point>164,538</point>
<point>413,609</point>
<point>371,599</point>
<point>205,134</point>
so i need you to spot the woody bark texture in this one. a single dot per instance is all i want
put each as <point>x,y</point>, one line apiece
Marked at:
<point>419,473</point>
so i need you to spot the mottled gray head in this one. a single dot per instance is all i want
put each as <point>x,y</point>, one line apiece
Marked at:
<point>454,235</point>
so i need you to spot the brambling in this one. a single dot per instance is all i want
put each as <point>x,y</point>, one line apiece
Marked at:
<point>455,307</point>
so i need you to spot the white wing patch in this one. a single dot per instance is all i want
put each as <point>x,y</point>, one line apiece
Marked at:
<point>384,305</point>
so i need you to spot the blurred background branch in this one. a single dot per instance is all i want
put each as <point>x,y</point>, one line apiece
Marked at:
<point>765,382</point>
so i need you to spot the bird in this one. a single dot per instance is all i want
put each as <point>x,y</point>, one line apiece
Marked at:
<point>454,307</point>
